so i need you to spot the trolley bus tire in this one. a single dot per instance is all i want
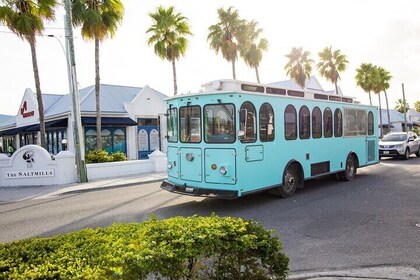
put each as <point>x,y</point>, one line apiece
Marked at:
<point>292,179</point>
<point>351,169</point>
<point>406,154</point>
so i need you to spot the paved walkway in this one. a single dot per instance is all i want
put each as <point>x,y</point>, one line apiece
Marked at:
<point>13,194</point>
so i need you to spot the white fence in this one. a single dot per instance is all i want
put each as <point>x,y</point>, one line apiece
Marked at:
<point>32,165</point>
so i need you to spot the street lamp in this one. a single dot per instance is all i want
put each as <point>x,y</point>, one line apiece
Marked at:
<point>64,144</point>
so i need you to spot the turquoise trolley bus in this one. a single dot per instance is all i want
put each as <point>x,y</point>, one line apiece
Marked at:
<point>237,138</point>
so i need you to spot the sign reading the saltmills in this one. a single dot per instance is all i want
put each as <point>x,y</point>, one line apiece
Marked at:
<point>29,174</point>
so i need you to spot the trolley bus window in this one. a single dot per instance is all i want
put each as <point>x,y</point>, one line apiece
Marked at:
<point>304,123</point>
<point>356,122</point>
<point>290,123</point>
<point>327,123</point>
<point>219,123</point>
<point>266,123</point>
<point>371,126</point>
<point>338,123</point>
<point>316,123</point>
<point>248,123</point>
<point>172,121</point>
<point>190,124</point>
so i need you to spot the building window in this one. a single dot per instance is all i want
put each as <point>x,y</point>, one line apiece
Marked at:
<point>327,123</point>
<point>290,123</point>
<point>113,139</point>
<point>371,127</point>
<point>248,121</point>
<point>304,123</point>
<point>316,123</point>
<point>338,123</point>
<point>266,123</point>
<point>54,138</point>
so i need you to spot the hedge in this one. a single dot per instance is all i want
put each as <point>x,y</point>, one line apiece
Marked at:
<point>176,248</point>
<point>103,156</point>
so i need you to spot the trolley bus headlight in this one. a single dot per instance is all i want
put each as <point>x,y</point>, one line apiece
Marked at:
<point>169,165</point>
<point>223,170</point>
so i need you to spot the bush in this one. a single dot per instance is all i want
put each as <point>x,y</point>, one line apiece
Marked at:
<point>175,248</point>
<point>118,156</point>
<point>103,156</point>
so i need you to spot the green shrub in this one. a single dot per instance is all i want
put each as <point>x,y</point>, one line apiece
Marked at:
<point>118,156</point>
<point>175,248</point>
<point>103,156</point>
<point>97,156</point>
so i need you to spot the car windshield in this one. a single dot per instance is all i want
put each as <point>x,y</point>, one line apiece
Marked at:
<point>395,137</point>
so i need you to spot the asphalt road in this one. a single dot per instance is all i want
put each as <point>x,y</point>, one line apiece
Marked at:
<point>373,220</point>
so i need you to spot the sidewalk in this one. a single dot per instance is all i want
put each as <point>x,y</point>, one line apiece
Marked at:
<point>14,194</point>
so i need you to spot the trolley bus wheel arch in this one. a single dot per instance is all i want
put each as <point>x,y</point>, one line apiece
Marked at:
<point>350,168</point>
<point>291,180</point>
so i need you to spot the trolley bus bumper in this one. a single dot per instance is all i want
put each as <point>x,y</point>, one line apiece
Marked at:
<point>184,189</point>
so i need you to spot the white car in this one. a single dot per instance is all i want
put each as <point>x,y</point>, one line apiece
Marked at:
<point>399,144</point>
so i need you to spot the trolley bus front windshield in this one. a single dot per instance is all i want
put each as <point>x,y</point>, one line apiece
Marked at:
<point>219,123</point>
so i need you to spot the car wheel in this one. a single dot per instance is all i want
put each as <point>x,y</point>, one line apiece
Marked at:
<point>351,169</point>
<point>406,154</point>
<point>418,152</point>
<point>292,179</point>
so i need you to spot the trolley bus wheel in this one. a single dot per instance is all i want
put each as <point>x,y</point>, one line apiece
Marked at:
<point>351,169</point>
<point>291,180</point>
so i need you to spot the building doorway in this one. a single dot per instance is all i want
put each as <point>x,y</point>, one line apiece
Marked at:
<point>148,136</point>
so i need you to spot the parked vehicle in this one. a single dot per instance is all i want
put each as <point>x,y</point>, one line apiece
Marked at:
<point>399,144</point>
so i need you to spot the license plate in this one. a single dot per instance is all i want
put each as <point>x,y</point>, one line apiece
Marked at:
<point>386,152</point>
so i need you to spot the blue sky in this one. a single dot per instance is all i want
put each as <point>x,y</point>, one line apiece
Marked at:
<point>385,33</point>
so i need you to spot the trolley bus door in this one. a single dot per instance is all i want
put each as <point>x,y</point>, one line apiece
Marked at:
<point>372,150</point>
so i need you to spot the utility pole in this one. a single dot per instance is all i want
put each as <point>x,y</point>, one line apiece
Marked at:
<point>405,105</point>
<point>74,91</point>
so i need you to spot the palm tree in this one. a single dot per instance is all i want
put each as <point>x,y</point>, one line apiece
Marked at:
<point>98,19</point>
<point>253,46</point>
<point>168,36</point>
<point>417,106</point>
<point>384,78</point>
<point>401,106</point>
<point>299,66</point>
<point>331,64</point>
<point>377,88</point>
<point>26,19</point>
<point>224,35</point>
<point>364,78</point>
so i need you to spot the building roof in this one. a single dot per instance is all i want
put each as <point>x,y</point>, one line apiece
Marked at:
<point>112,98</point>
<point>394,115</point>
<point>5,119</point>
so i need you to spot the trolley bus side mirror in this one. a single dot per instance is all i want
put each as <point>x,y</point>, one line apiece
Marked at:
<point>241,134</point>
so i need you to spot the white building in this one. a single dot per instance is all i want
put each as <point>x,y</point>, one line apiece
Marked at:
<point>132,121</point>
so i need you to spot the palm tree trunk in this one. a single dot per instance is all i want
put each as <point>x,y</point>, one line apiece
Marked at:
<point>38,93</point>
<point>98,100</point>
<point>258,75</point>
<point>370,99</point>
<point>174,72</point>
<point>380,116</point>
<point>387,111</point>
<point>336,88</point>
<point>233,69</point>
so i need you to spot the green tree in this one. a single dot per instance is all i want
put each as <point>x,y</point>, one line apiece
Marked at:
<point>299,66</point>
<point>26,19</point>
<point>331,64</point>
<point>365,78</point>
<point>417,106</point>
<point>401,106</point>
<point>377,89</point>
<point>384,78</point>
<point>223,36</point>
<point>253,46</point>
<point>99,19</point>
<point>168,36</point>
